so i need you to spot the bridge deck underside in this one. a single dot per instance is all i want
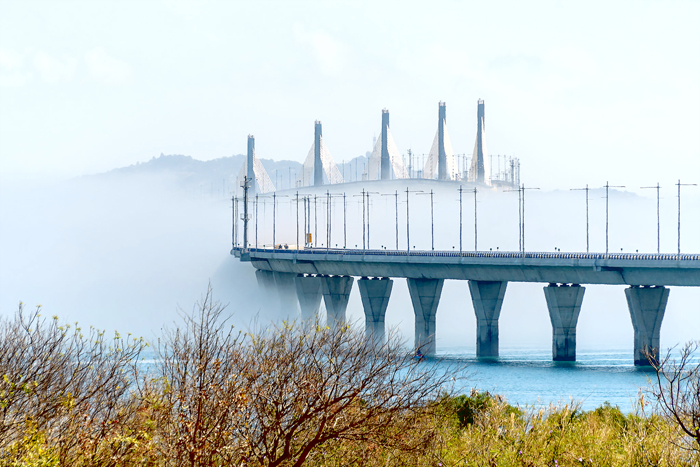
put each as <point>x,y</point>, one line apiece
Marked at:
<point>497,267</point>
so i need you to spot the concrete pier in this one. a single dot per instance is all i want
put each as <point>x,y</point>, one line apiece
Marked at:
<point>375,295</point>
<point>487,298</point>
<point>266,281</point>
<point>308,290</point>
<point>336,292</point>
<point>289,305</point>
<point>647,306</point>
<point>564,304</point>
<point>425,296</point>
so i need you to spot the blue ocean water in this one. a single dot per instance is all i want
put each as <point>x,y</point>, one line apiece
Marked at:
<point>529,377</point>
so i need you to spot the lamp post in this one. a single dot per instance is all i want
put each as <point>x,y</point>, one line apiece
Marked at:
<point>607,188</point>
<point>679,184</point>
<point>363,218</point>
<point>245,185</point>
<point>368,203</point>
<point>587,237</point>
<point>432,221</point>
<point>523,188</point>
<point>233,222</point>
<point>460,219</point>
<point>475,230</point>
<point>521,215</point>
<point>408,224</point>
<point>274,217</point>
<point>396,213</point>
<point>658,216</point>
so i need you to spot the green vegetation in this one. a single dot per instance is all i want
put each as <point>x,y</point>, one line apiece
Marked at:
<point>298,395</point>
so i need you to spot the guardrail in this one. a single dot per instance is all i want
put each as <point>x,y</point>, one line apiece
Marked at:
<point>479,254</point>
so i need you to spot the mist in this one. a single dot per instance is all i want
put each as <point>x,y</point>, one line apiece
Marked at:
<point>128,252</point>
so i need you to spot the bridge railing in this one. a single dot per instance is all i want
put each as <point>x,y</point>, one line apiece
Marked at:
<point>478,254</point>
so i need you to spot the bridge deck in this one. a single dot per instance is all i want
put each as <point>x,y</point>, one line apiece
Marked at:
<point>570,268</point>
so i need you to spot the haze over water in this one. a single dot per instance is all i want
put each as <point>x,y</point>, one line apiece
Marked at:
<point>123,253</point>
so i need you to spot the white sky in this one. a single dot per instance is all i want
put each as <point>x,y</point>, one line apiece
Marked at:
<point>582,92</point>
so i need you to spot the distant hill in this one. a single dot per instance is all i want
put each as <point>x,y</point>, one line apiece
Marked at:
<point>205,176</point>
<point>218,176</point>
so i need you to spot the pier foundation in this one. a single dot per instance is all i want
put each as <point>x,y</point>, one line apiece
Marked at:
<point>487,298</point>
<point>308,290</point>
<point>425,296</point>
<point>336,292</point>
<point>647,306</point>
<point>375,295</point>
<point>564,304</point>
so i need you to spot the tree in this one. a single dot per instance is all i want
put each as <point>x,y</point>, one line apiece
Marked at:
<point>283,395</point>
<point>677,391</point>
<point>194,392</point>
<point>309,386</point>
<point>64,387</point>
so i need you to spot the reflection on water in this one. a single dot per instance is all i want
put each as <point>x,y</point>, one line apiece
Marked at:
<point>530,377</point>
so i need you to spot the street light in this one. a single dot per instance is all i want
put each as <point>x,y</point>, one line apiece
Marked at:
<point>329,214</point>
<point>521,215</point>
<point>233,222</point>
<point>607,187</point>
<point>475,231</point>
<point>460,218</point>
<point>274,218</point>
<point>658,217</point>
<point>432,222</point>
<point>586,189</point>
<point>408,225</point>
<point>679,184</point>
<point>396,212</point>
<point>368,203</point>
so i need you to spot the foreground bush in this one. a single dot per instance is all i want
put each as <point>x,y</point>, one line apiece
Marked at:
<point>278,397</point>
<point>288,396</point>
<point>63,393</point>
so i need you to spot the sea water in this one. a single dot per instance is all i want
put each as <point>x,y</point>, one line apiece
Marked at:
<point>529,377</point>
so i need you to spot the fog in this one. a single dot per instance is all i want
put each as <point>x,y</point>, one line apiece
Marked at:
<point>125,252</point>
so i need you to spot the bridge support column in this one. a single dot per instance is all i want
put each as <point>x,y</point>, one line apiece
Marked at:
<point>309,295</point>
<point>266,281</point>
<point>287,294</point>
<point>487,298</point>
<point>336,292</point>
<point>564,304</point>
<point>647,306</point>
<point>375,295</point>
<point>425,296</point>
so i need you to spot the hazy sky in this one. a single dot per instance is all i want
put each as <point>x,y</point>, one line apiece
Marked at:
<point>582,92</point>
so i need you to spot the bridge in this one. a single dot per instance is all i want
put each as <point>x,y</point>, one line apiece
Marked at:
<point>305,276</point>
